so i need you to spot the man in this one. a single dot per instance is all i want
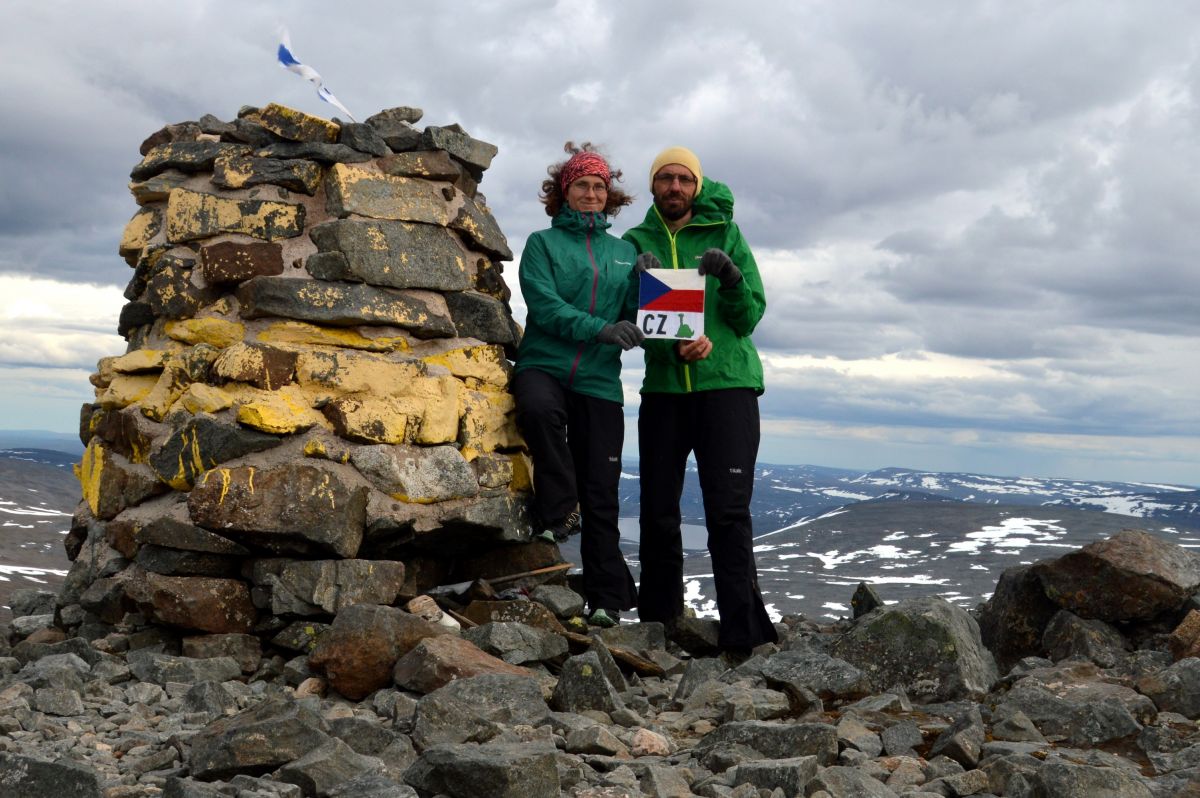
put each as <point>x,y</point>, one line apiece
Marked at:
<point>701,397</point>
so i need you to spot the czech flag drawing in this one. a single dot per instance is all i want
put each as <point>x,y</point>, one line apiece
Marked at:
<point>671,303</point>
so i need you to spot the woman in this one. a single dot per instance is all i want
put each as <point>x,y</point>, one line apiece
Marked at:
<point>580,288</point>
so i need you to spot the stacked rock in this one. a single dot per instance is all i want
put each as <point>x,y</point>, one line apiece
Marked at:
<point>313,408</point>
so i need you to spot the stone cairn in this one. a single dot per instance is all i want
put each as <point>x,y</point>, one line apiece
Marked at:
<point>313,408</point>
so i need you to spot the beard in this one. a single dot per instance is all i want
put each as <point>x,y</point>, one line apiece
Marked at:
<point>673,205</point>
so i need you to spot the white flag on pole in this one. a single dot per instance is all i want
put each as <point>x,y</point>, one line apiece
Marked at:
<point>291,64</point>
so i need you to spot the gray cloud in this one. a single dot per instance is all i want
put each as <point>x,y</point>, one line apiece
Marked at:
<point>1008,185</point>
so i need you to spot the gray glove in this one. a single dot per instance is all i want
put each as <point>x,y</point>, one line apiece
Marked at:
<point>718,264</point>
<point>646,261</point>
<point>624,334</point>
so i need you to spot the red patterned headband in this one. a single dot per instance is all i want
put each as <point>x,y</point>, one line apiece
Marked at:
<point>582,164</point>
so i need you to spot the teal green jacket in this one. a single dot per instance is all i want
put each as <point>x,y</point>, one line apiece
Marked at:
<point>576,278</point>
<point>730,314</point>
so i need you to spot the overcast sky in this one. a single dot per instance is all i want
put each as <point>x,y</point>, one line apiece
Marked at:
<point>976,222</point>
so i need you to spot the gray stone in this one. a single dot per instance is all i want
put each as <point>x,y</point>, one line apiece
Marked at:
<point>311,587</point>
<point>319,151</point>
<point>972,782</point>
<point>1010,724</point>
<point>864,600</point>
<point>853,733</point>
<point>1012,621</point>
<point>201,443</point>
<point>481,316</point>
<point>30,777</point>
<point>31,601</point>
<point>328,765</point>
<point>1175,689</point>
<point>472,709</point>
<point>26,625</point>
<point>246,649</point>
<point>582,686</point>
<point>431,473</point>
<point>343,305</point>
<point>1000,770</point>
<point>963,740</point>
<point>1080,714</point>
<point>517,643</point>
<point>273,733</point>
<point>612,671</point>
<point>481,230</point>
<point>473,152</point>
<point>775,740</point>
<point>697,636</point>
<point>395,126</point>
<point>176,787</point>
<point>1063,780</point>
<point>698,672</point>
<point>364,138</point>
<point>901,738</point>
<point>152,666</point>
<point>374,786</point>
<point>828,677</point>
<point>56,670</point>
<point>1068,636</point>
<point>926,646</point>
<point>845,782</point>
<point>61,701</point>
<point>390,254</point>
<point>497,770</point>
<point>661,781</point>
<point>594,740</point>
<point>562,601</point>
<point>790,775</point>
<point>210,697</point>
<point>308,506</point>
<point>185,156</point>
<point>174,562</point>
<point>640,637</point>
<point>294,175</point>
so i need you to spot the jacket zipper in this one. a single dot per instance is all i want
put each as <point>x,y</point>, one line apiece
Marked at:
<point>687,367</point>
<point>592,304</point>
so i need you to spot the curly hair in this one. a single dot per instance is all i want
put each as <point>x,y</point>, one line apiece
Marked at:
<point>552,194</point>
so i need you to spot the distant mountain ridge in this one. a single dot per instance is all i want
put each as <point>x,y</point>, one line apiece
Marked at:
<point>786,494</point>
<point>819,531</point>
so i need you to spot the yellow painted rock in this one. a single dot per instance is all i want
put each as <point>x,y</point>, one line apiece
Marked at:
<point>279,412</point>
<point>304,334</point>
<point>213,331</point>
<point>201,398</point>
<point>125,389</point>
<point>193,215</point>
<point>139,360</point>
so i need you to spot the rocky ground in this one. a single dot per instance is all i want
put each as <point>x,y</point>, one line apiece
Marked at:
<point>904,700</point>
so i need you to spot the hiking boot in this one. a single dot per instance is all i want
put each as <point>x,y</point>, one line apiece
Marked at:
<point>558,533</point>
<point>605,619</point>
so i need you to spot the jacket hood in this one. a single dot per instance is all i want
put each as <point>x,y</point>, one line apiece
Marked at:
<point>579,222</point>
<point>714,204</point>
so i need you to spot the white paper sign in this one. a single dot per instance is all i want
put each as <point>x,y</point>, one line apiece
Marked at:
<point>671,304</point>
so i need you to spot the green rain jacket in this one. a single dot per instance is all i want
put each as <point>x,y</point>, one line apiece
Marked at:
<point>730,314</point>
<point>576,278</point>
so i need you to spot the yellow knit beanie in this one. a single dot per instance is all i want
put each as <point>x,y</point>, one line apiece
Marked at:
<point>682,156</point>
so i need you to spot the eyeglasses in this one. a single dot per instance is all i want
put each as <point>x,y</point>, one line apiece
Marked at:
<point>685,181</point>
